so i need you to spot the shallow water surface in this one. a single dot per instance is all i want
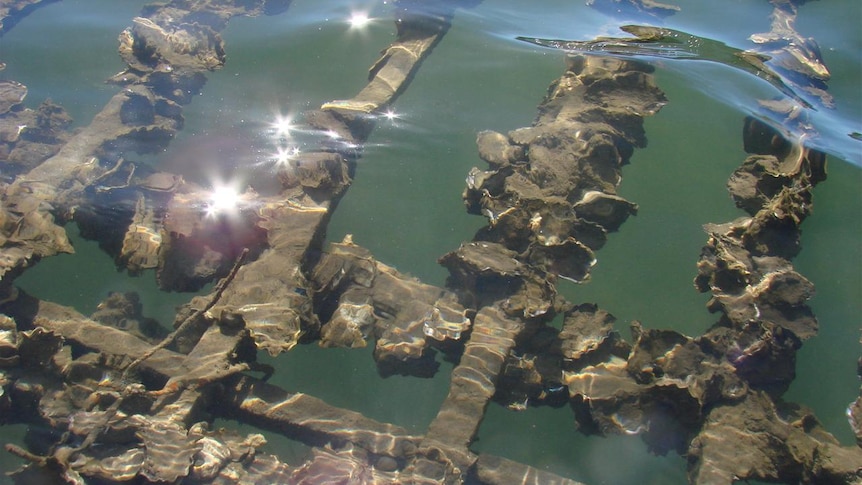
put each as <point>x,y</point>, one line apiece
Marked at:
<point>405,205</point>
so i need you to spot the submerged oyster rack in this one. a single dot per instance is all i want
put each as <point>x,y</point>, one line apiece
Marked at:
<point>125,403</point>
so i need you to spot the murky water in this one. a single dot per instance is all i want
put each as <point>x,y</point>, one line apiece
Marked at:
<point>405,203</point>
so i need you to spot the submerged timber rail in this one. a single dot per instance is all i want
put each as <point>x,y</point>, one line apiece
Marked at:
<point>126,408</point>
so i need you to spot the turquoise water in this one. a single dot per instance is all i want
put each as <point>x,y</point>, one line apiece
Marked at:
<point>405,205</point>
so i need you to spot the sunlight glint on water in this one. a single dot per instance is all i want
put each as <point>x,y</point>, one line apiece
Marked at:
<point>405,202</point>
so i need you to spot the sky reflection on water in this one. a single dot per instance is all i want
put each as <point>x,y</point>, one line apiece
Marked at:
<point>405,203</point>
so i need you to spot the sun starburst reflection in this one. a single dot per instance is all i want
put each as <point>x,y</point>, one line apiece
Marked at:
<point>359,20</point>
<point>224,199</point>
<point>282,126</point>
<point>284,155</point>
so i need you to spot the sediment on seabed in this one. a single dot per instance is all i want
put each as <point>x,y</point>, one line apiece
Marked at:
<point>126,402</point>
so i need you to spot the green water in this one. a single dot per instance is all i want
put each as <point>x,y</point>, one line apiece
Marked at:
<point>405,205</point>
<point>65,52</point>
